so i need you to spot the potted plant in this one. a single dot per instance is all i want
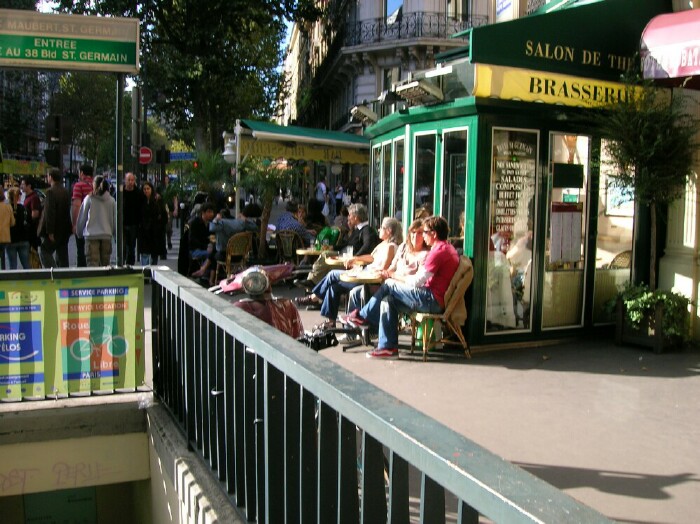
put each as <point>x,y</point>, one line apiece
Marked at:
<point>651,148</point>
<point>658,319</point>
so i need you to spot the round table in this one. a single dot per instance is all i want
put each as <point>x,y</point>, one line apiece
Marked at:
<point>336,261</point>
<point>364,277</point>
<point>309,252</point>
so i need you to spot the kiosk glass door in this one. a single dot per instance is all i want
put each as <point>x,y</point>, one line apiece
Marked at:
<point>511,230</point>
<point>454,180</point>
<point>565,251</point>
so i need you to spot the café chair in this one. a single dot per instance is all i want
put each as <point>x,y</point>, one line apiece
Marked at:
<point>237,250</point>
<point>453,316</point>
<point>288,241</point>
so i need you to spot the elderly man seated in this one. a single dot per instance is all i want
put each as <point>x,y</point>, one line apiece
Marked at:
<point>361,241</point>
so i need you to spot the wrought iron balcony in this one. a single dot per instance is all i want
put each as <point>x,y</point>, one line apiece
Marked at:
<point>408,26</point>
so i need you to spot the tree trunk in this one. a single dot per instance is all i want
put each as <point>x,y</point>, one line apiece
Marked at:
<point>264,221</point>
<point>652,247</point>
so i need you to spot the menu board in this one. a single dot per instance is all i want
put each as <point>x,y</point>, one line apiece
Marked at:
<point>513,184</point>
<point>514,168</point>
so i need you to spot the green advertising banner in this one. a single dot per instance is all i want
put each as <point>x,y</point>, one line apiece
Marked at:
<point>22,349</point>
<point>71,337</point>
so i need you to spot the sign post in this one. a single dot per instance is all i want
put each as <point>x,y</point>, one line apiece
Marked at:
<point>68,42</point>
<point>145,155</point>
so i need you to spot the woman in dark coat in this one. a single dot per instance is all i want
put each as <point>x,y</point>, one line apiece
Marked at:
<point>154,219</point>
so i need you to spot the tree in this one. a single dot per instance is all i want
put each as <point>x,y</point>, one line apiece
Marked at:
<point>86,103</point>
<point>265,178</point>
<point>653,139</point>
<point>206,63</point>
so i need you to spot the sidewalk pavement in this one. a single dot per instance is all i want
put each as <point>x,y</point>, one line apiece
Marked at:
<point>617,428</point>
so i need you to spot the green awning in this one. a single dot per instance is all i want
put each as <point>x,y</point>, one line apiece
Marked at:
<point>268,140</point>
<point>304,135</point>
<point>587,39</point>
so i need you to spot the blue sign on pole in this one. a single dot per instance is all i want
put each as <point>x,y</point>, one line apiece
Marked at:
<point>176,156</point>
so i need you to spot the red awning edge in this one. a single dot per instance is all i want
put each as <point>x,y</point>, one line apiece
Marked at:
<point>670,46</point>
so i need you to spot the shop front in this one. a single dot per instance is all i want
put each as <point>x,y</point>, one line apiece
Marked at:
<point>670,52</point>
<point>510,158</point>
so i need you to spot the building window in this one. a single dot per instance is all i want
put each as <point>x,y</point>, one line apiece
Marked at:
<point>458,9</point>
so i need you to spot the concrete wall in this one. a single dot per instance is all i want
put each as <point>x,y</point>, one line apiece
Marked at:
<point>127,450</point>
<point>182,489</point>
<point>679,269</point>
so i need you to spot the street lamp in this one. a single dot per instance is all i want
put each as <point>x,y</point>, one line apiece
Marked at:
<point>230,155</point>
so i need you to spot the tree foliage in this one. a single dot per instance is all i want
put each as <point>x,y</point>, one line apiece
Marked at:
<point>652,143</point>
<point>86,103</point>
<point>264,179</point>
<point>206,62</point>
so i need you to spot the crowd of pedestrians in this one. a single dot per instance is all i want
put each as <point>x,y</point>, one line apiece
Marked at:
<point>36,234</point>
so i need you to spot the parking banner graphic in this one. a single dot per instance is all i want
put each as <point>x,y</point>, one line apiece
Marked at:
<point>71,337</point>
<point>22,350</point>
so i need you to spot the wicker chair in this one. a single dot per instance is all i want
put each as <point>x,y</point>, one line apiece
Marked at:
<point>461,281</point>
<point>623,260</point>
<point>237,249</point>
<point>288,241</point>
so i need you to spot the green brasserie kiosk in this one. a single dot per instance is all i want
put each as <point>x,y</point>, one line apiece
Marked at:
<point>495,139</point>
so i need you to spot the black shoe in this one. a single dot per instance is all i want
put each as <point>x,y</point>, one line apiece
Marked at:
<point>304,284</point>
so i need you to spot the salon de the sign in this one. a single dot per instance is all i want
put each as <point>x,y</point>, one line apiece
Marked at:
<point>68,42</point>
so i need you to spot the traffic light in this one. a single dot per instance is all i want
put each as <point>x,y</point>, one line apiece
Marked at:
<point>135,120</point>
<point>53,157</point>
<point>53,129</point>
<point>162,156</point>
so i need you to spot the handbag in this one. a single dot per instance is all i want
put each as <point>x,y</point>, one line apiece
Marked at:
<point>318,340</point>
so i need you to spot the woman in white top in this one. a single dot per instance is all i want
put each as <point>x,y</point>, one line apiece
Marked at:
<point>409,257</point>
<point>331,288</point>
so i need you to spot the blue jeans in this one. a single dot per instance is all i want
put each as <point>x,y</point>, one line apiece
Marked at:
<point>18,249</point>
<point>331,288</point>
<point>147,259</point>
<point>392,298</point>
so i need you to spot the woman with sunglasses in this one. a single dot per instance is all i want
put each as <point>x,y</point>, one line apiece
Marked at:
<point>410,256</point>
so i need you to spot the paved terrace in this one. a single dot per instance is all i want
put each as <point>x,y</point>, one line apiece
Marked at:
<point>617,428</point>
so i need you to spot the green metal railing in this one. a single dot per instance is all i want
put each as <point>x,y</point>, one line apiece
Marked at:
<point>292,437</point>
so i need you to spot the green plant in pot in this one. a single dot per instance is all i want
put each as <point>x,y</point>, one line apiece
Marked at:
<point>657,318</point>
<point>651,147</point>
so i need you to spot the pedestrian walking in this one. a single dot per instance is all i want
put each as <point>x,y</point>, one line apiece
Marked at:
<point>96,223</point>
<point>152,229</point>
<point>19,245</point>
<point>55,224</point>
<point>81,189</point>
<point>131,216</point>
<point>7,220</point>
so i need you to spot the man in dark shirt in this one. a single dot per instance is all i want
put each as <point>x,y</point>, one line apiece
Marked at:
<point>32,204</point>
<point>199,238</point>
<point>131,216</point>
<point>55,225</point>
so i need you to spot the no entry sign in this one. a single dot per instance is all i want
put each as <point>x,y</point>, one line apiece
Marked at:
<point>145,155</point>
